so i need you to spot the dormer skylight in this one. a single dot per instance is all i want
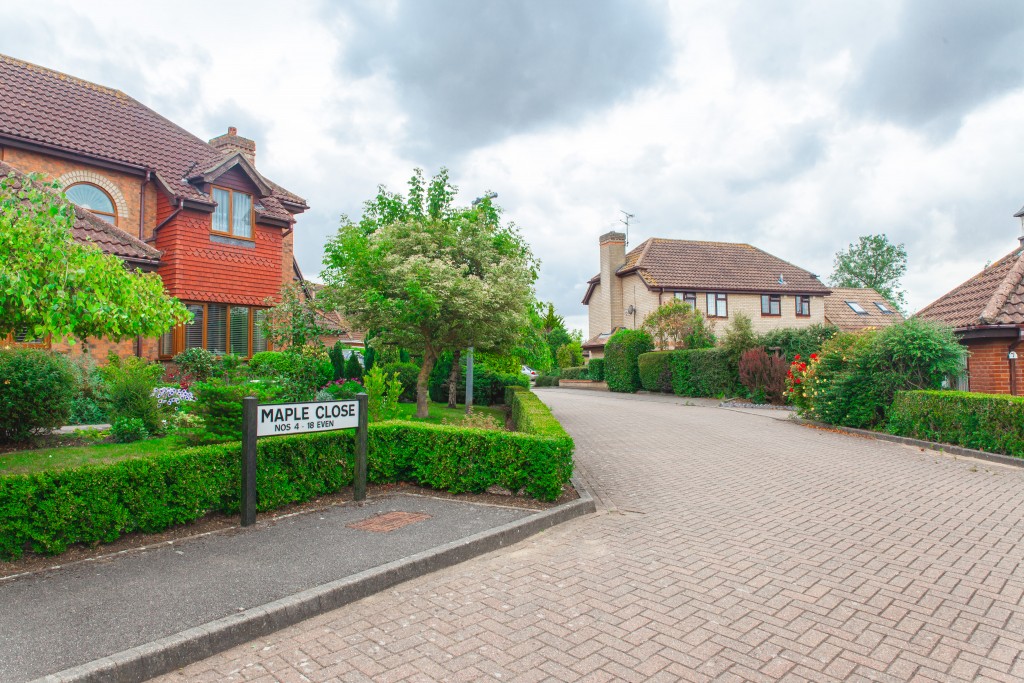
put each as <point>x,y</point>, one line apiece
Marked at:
<point>883,308</point>
<point>856,307</point>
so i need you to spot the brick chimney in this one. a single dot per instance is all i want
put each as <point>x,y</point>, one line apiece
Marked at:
<point>613,256</point>
<point>232,143</point>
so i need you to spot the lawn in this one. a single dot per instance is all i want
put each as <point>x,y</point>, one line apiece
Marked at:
<point>27,462</point>
<point>440,411</point>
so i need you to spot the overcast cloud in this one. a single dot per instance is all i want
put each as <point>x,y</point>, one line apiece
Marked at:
<point>790,125</point>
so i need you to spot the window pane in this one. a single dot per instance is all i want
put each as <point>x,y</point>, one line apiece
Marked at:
<point>764,304</point>
<point>775,305</point>
<point>167,343</point>
<point>711,305</point>
<point>220,214</point>
<point>217,328</point>
<point>240,330</point>
<point>90,197</point>
<point>242,215</point>
<point>194,330</point>
<point>259,341</point>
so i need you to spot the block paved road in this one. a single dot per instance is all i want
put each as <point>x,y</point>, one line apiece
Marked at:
<point>729,546</point>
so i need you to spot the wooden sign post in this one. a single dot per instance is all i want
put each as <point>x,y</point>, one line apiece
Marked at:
<point>280,419</point>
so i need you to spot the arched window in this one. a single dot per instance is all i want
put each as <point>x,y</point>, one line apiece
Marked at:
<point>91,197</point>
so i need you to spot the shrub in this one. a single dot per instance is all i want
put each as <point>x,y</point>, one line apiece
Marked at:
<point>37,388</point>
<point>656,371</point>
<point>678,325</point>
<point>595,368</point>
<point>569,355</point>
<point>797,341</point>
<point>488,385</point>
<point>220,406</point>
<point>271,364</point>
<point>382,392</point>
<point>90,400</point>
<point>197,362</point>
<point>408,375</point>
<point>341,389</point>
<point>337,356</point>
<point>547,381</point>
<point>621,353</point>
<point>739,337</point>
<point>128,429</point>
<point>764,376</point>
<point>987,422</point>
<point>703,373</point>
<point>47,511</point>
<point>130,383</point>
<point>574,373</point>
<point>474,420</point>
<point>353,368</point>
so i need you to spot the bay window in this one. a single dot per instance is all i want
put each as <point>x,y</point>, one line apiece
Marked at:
<point>220,329</point>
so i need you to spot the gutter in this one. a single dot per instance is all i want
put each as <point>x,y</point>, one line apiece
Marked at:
<point>181,205</point>
<point>142,205</point>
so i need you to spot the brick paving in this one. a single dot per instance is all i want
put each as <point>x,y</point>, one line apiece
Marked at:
<point>729,546</point>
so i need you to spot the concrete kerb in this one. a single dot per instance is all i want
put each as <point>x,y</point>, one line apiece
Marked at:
<point>907,441</point>
<point>192,645</point>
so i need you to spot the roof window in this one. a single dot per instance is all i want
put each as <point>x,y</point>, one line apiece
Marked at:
<point>857,308</point>
<point>883,308</point>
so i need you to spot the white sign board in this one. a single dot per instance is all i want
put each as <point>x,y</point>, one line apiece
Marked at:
<point>299,418</point>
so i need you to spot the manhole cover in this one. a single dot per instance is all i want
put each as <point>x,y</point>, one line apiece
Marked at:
<point>388,521</point>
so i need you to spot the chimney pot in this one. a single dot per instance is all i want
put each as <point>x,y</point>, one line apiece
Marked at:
<point>232,130</point>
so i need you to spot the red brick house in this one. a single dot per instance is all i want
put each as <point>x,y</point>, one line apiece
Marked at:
<point>217,231</point>
<point>987,313</point>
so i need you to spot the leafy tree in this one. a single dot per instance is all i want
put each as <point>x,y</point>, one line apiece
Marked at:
<point>551,319</point>
<point>872,262</point>
<point>570,355</point>
<point>52,285</point>
<point>677,325</point>
<point>431,277</point>
<point>292,321</point>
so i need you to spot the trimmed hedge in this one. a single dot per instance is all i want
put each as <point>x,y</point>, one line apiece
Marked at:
<point>47,511</point>
<point>656,371</point>
<point>595,368</point>
<point>987,422</point>
<point>621,353</point>
<point>546,381</point>
<point>703,372</point>
<point>575,373</point>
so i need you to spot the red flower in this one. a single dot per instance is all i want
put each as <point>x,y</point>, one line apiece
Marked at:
<point>796,357</point>
<point>814,356</point>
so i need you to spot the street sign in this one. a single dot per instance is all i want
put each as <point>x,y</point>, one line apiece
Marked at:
<point>282,419</point>
<point>299,418</point>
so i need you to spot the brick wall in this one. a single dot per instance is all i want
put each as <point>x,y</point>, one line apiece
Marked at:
<point>122,187</point>
<point>99,349</point>
<point>989,368</point>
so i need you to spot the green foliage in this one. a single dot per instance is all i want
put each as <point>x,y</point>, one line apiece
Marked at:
<point>128,429</point>
<point>50,510</point>
<point>488,385</point>
<point>197,362</point>
<point>797,341</point>
<point>739,337</point>
<point>341,389</point>
<point>677,325</point>
<point>89,405</point>
<point>429,276</point>
<point>220,406</point>
<point>547,381</point>
<point>987,422</point>
<point>129,384</point>
<point>353,368</point>
<point>407,373</point>
<point>764,376</point>
<point>580,372</point>
<point>292,321</point>
<point>872,262</point>
<point>621,353</point>
<point>337,356</point>
<point>708,373</point>
<point>570,355</point>
<point>855,377</point>
<point>383,391</point>
<point>595,369</point>
<point>297,373</point>
<point>53,285</point>
<point>656,371</point>
<point>37,388</point>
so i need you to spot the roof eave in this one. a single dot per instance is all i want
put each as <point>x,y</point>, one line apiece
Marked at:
<point>70,154</point>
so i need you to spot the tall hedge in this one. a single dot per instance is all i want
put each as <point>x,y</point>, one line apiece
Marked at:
<point>47,511</point>
<point>580,372</point>
<point>656,371</point>
<point>987,422</point>
<point>595,369</point>
<point>703,372</point>
<point>621,353</point>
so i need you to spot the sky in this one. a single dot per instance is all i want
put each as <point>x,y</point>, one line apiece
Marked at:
<point>791,125</point>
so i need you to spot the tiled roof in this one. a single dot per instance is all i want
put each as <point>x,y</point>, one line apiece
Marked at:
<point>995,296</point>
<point>840,314</point>
<point>717,266</point>
<point>90,228</point>
<point>55,110</point>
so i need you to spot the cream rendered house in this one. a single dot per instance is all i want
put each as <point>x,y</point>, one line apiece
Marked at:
<point>720,279</point>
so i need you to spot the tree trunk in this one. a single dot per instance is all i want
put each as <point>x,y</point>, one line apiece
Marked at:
<point>422,394</point>
<point>453,381</point>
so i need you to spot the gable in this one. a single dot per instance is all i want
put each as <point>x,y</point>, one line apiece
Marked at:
<point>236,179</point>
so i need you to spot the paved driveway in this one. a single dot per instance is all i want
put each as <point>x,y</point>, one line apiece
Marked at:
<point>730,546</point>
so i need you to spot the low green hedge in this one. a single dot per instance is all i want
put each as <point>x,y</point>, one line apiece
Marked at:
<point>703,372</point>
<point>655,371</point>
<point>595,368</point>
<point>546,381</point>
<point>987,422</point>
<point>47,511</point>
<point>574,373</point>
